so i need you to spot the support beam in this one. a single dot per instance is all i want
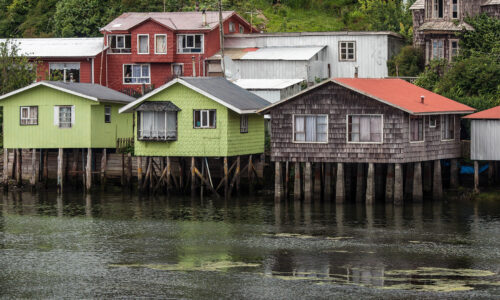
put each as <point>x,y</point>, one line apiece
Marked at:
<point>226,177</point>
<point>389,184</point>
<point>370,184</point>
<point>490,172</point>
<point>19,167</point>
<point>123,170</point>
<point>398,184</point>
<point>74,166</point>
<point>328,182</point>
<point>193,177</point>
<point>129,170</point>
<point>88,170</point>
<point>169,174</point>
<point>476,176</point>
<point>287,178</point>
<point>104,163</point>
<point>437,186</point>
<point>317,181</point>
<point>408,180</point>
<point>237,174</point>
<point>60,164</point>
<point>417,194</point>
<point>5,168</point>
<point>33,178</point>
<point>139,173</point>
<point>278,182</point>
<point>46,167</point>
<point>250,175</point>
<point>454,173</point>
<point>427,177</point>
<point>297,184</point>
<point>340,185</point>
<point>360,182</point>
<point>307,183</point>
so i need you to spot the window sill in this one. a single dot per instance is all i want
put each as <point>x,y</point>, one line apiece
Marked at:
<point>366,143</point>
<point>417,142</point>
<point>126,83</point>
<point>295,142</point>
<point>157,139</point>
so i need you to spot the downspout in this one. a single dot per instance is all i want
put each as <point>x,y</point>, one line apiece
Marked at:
<point>92,71</point>
<point>221,30</point>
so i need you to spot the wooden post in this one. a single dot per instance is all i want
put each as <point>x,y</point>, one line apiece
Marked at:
<point>250,175</point>
<point>139,173</point>
<point>226,178</point>
<point>278,183</point>
<point>33,168</point>
<point>60,164</point>
<point>490,173</point>
<point>74,166</point>
<point>104,162</point>
<point>389,184</point>
<point>287,178</point>
<point>360,180</point>
<point>340,185</point>
<point>193,177</point>
<point>88,170</point>
<point>427,178</point>
<point>237,174</point>
<point>297,182</point>
<point>476,176</point>
<point>408,191</point>
<point>417,194</point>
<point>370,184</point>
<point>45,167</point>
<point>437,187</point>
<point>307,183</point>
<point>123,170</point>
<point>169,174</point>
<point>328,182</point>
<point>317,181</point>
<point>129,169</point>
<point>19,168</point>
<point>454,173</point>
<point>398,184</point>
<point>181,173</point>
<point>5,168</point>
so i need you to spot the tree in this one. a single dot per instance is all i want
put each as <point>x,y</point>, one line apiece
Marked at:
<point>16,71</point>
<point>409,62</point>
<point>76,18</point>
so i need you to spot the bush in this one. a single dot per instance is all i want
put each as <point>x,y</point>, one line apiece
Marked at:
<point>409,62</point>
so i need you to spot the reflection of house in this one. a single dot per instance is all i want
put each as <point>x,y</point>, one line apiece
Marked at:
<point>436,22</point>
<point>271,89</point>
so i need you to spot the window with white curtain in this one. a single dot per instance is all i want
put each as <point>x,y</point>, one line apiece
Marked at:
<point>64,116</point>
<point>160,44</point>
<point>310,128</point>
<point>157,125</point>
<point>448,127</point>
<point>190,43</point>
<point>29,115</point>
<point>143,44</point>
<point>364,128</point>
<point>416,128</point>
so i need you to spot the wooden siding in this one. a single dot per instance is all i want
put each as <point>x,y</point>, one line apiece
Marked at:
<point>338,102</point>
<point>485,139</point>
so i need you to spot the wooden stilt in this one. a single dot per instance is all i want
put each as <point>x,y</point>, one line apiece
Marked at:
<point>317,181</point>
<point>340,185</point>
<point>123,170</point>
<point>307,183</point>
<point>417,194</point>
<point>88,170</point>
<point>19,168</point>
<point>297,182</point>
<point>398,184</point>
<point>278,183</point>
<point>490,173</point>
<point>389,184</point>
<point>181,173</point>
<point>45,167</point>
<point>169,174</point>
<point>360,182</point>
<point>454,173</point>
<point>139,173</point>
<point>250,175</point>
<point>204,180</point>
<point>287,179</point>
<point>408,180</point>
<point>437,187</point>
<point>237,174</point>
<point>328,182</point>
<point>5,169</point>
<point>476,176</point>
<point>427,176</point>
<point>193,177</point>
<point>129,169</point>
<point>74,166</point>
<point>104,163</point>
<point>370,184</point>
<point>151,174</point>
<point>226,177</point>
<point>33,168</point>
<point>60,164</point>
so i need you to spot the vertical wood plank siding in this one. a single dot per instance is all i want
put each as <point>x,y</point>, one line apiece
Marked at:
<point>337,102</point>
<point>485,139</point>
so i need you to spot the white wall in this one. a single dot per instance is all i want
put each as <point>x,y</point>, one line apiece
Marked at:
<point>485,139</point>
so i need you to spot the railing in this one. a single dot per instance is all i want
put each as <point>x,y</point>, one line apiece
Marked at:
<point>124,145</point>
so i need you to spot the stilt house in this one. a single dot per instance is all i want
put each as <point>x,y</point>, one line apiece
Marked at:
<point>354,120</point>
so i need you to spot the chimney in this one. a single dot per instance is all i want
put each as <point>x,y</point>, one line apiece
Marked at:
<point>203,18</point>
<point>422,99</point>
<point>356,72</point>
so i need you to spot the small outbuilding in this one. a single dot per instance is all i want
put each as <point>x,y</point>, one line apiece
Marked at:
<point>365,121</point>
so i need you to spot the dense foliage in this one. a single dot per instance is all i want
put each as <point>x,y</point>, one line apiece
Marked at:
<point>15,69</point>
<point>409,62</point>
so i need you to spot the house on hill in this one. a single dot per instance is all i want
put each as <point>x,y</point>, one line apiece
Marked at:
<point>366,121</point>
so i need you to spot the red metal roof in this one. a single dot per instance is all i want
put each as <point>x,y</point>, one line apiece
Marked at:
<point>404,95</point>
<point>492,113</point>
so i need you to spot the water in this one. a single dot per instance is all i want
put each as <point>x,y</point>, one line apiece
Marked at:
<point>118,245</point>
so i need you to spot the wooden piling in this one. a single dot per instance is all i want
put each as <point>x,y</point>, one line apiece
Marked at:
<point>88,170</point>
<point>250,175</point>
<point>5,169</point>
<point>427,176</point>
<point>417,194</point>
<point>226,177</point>
<point>74,167</point>
<point>317,181</point>
<point>169,174</point>
<point>370,184</point>
<point>398,184</point>
<point>19,168</point>
<point>389,184</point>
<point>360,181</point>
<point>139,173</point>
<point>307,182</point>
<point>237,174</point>
<point>408,191</point>
<point>45,167</point>
<point>454,173</point>
<point>297,184</point>
<point>476,176</point>
<point>287,178</point>
<point>328,182</point>
<point>33,178</point>
<point>193,177</point>
<point>122,178</point>
<point>104,162</point>
<point>129,169</point>
<point>437,186</point>
<point>278,182</point>
<point>340,185</point>
<point>60,164</point>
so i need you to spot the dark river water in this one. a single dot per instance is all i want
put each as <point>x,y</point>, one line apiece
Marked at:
<point>114,244</point>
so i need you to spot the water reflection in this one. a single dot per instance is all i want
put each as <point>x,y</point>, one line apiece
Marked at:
<point>431,246</point>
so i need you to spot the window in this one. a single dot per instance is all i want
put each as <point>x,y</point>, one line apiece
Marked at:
<point>310,128</point>
<point>364,128</point>
<point>454,9</point>
<point>243,123</point>
<point>120,43</point>
<point>190,43</point>
<point>107,114</point>
<point>432,121</point>
<point>143,44</point>
<point>136,74</point>
<point>437,11</point>
<point>64,116</point>
<point>416,128</point>
<point>232,27</point>
<point>178,70</point>
<point>453,48</point>
<point>347,51</point>
<point>241,28</point>
<point>58,69</point>
<point>204,118</point>
<point>437,49</point>
<point>448,127</point>
<point>160,44</point>
<point>157,125</point>
<point>29,115</point>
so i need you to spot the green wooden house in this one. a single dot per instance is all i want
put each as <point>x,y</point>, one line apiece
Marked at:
<point>198,117</point>
<point>51,114</point>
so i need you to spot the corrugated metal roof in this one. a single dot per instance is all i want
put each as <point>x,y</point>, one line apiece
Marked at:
<point>396,93</point>
<point>59,47</point>
<point>492,114</point>
<point>444,26</point>
<point>419,4</point>
<point>192,20</point>
<point>282,53</point>
<point>266,84</point>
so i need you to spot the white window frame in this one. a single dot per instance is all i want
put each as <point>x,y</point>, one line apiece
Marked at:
<point>315,115</point>
<point>432,49</point>
<point>423,130</point>
<point>106,113</point>
<point>363,115</point>
<point>430,121</point>
<point>139,43</point>
<point>124,43</point>
<point>140,133</point>
<point>347,50</point>
<point>243,123</point>
<point>57,116</point>
<point>28,119</point>
<point>442,127</point>
<point>451,48</point>
<point>232,27</point>
<point>435,12</point>
<point>451,10</point>
<point>177,64</point>
<point>135,83</point>
<point>179,49</point>
<point>166,44</point>
<point>201,119</point>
